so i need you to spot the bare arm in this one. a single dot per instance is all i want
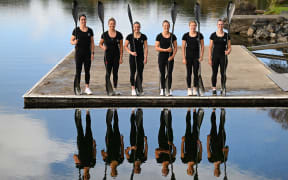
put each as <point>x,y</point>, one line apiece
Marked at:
<point>101,44</point>
<point>228,51</point>
<point>92,48</point>
<point>182,147</point>
<point>208,146</point>
<point>127,152</point>
<point>174,52</point>
<point>210,52</point>
<point>94,149</point>
<point>121,51</point>
<point>145,52</point>
<point>73,40</point>
<point>146,147</point>
<point>202,50</point>
<point>200,150</point>
<point>226,150</point>
<point>183,51</point>
<point>157,48</point>
<point>174,151</point>
<point>76,159</point>
<point>157,152</point>
<point>122,145</point>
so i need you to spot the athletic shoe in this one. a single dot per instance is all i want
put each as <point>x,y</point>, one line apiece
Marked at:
<point>117,92</point>
<point>170,92</point>
<point>88,91</point>
<point>161,92</point>
<point>223,92</point>
<point>189,92</point>
<point>195,93</point>
<point>214,92</point>
<point>133,93</point>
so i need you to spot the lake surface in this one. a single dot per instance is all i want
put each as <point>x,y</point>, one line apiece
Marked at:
<point>40,144</point>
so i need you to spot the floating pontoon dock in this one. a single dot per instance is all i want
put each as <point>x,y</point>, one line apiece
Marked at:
<point>248,85</point>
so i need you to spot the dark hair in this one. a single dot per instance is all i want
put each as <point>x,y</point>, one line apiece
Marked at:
<point>82,15</point>
<point>165,21</point>
<point>136,22</point>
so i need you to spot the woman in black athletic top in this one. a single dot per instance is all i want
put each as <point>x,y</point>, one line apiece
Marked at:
<point>141,53</point>
<point>112,43</point>
<point>166,56</point>
<point>191,56</point>
<point>84,51</point>
<point>217,53</point>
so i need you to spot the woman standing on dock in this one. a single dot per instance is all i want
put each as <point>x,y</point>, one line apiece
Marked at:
<point>84,51</point>
<point>217,53</point>
<point>191,56</point>
<point>113,51</point>
<point>164,47</point>
<point>141,52</point>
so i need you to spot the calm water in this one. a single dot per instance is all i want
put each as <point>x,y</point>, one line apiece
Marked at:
<point>39,144</point>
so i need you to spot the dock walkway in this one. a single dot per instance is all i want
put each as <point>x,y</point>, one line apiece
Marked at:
<point>247,84</point>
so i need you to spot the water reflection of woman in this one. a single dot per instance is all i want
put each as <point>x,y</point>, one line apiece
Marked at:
<point>86,157</point>
<point>166,151</point>
<point>191,146</point>
<point>114,154</point>
<point>138,151</point>
<point>216,149</point>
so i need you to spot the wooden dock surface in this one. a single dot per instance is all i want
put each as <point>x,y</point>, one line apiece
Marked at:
<point>246,77</point>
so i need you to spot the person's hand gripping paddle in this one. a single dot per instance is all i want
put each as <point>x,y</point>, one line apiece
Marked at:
<point>77,89</point>
<point>230,12</point>
<point>138,81</point>
<point>197,13</point>
<point>109,88</point>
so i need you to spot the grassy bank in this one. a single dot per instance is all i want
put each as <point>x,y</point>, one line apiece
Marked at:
<point>275,8</point>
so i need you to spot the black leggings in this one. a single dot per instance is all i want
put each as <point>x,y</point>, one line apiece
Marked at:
<point>112,64</point>
<point>163,65</point>
<point>217,139</point>
<point>82,58</point>
<point>140,67</point>
<point>216,62</point>
<point>192,63</point>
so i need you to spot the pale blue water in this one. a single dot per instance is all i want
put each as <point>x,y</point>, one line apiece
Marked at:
<point>39,144</point>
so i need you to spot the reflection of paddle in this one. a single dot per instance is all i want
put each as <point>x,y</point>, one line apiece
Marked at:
<point>230,12</point>
<point>222,122</point>
<point>77,89</point>
<point>108,84</point>
<point>197,13</point>
<point>173,16</point>
<point>134,155</point>
<point>105,172</point>
<point>200,115</point>
<point>168,120</point>
<point>138,81</point>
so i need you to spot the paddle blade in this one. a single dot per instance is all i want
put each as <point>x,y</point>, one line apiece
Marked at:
<point>101,11</point>
<point>200,117</point>
<point>130,16</point>
<point>174,12</point>
<point>197,12</point>
<point>230,11</point>
<point>75,11</point>
<point>222,116</point>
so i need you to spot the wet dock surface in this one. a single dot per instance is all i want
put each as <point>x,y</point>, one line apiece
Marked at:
<point>246,77</point>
